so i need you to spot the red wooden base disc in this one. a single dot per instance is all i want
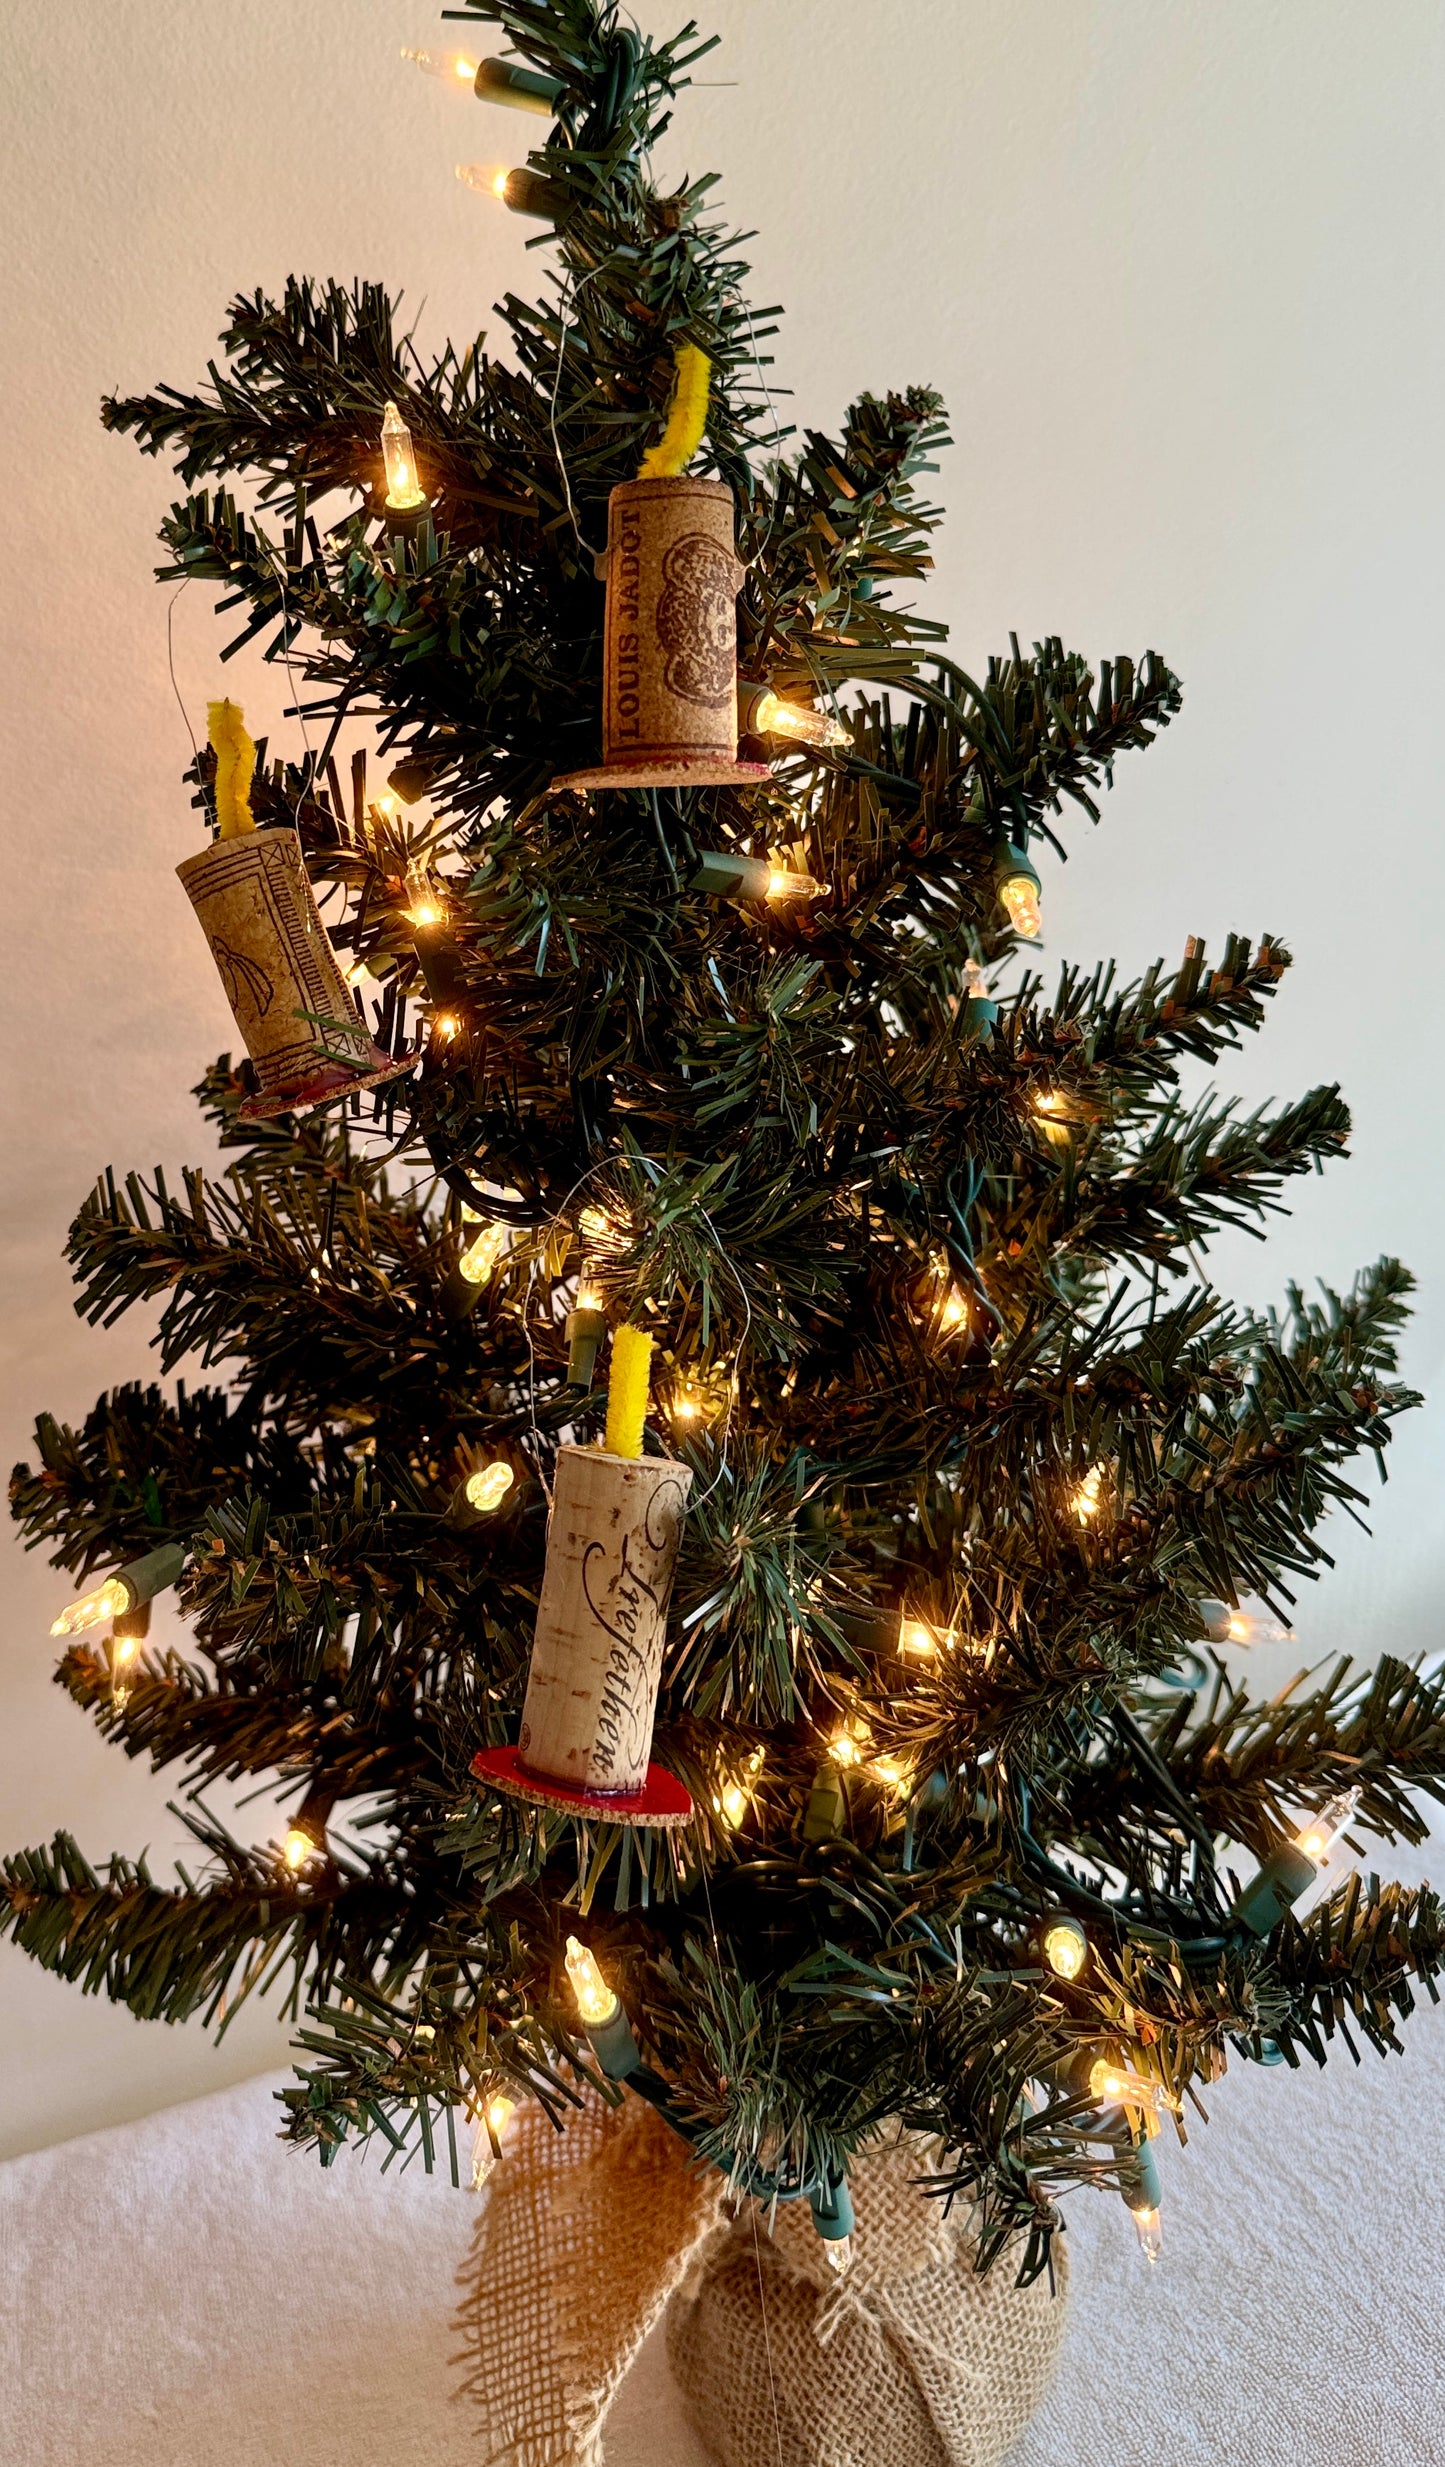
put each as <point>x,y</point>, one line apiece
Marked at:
<point>323,1086</point>
<point>662,1800</point>
<point>678,774</point>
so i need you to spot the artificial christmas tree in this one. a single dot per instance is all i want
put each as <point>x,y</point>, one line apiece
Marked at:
<point>977,1464</point>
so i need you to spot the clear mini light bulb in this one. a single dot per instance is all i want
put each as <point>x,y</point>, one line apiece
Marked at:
<point>784,884</point>
<point>1086,1497</point>
<point>454,68</point>
<point>839,2250</point>
<point>497,2114</point>
<point>595,1999</point>
<point>123,1651</point>
<point>109,1601</point>
<point>403,491</point>
<point>975,983</point>
<point>297,1848</point>
<point>483,1255</point>
<point>488,1487</point>
<point>1318,1837</point>
<point>762,713</point>
<point>731,1804</point>
<point>422,905</point>
<point>1118,2085</point>
<point>488,179</point>
<point>1066,1948</point>
<point>1020,896</point>
<point>1150,2233</point>
<point>1245,1623</point>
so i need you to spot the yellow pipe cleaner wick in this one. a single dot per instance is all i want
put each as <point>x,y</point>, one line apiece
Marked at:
<point>686,419</point>
<point>627,1391</point>
<point>235,763</point>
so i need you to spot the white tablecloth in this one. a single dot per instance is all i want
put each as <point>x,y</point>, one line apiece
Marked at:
<point>185,2292</point>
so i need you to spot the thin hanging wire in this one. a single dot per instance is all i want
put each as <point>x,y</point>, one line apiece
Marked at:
<point>300,708</point>
<point>171,665</point>
<point>568,296</point>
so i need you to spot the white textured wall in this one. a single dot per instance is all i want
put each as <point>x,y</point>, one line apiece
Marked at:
<point>1176,265</point>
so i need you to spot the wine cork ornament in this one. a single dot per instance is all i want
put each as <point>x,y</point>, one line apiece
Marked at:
<point>670,698</point>
<point>253,896</point>
<point>612,1542</point>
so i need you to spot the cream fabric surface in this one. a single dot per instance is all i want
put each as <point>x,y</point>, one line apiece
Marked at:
<point>186,2293</point>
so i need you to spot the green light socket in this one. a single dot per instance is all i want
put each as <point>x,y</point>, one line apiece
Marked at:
<point>721,875</point>
<point>156,1573</point>
<point>506,81</point>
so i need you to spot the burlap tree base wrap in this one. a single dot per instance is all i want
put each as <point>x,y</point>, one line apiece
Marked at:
<point>584,2237</point>
<point>911,2361</point>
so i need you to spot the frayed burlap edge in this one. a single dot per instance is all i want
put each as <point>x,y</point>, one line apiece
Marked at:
<point>584,2235</point>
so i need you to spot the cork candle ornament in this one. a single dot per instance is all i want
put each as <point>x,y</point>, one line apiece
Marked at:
<point>670,696</point>
<point>586,1735</point>
<point>287,994</point>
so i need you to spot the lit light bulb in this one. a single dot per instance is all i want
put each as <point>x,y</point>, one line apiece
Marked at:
<point>123,1651</point>
<point>975,983</point>
<point>892,1771</point>
<point>1047,1102</point>
<point>1318,1837</point>
<point>1149,2232</point>
<point>732,1805</point>
<point>1020,896</point>
<point>1244,1623</point>
<point>423,907</point>
<point>595,2000</point>
<point>916,1637</point>
<point>1066,1948</point>
<point>487,1488</point>
<point>1086,1498</point>
<point>488,179</point>
<point>767,715</point>
<point>297,1848</point>
<point>109,1601</point>
<point>686,1406</point>
<point>452,66</point>
<point>388,806</point>
<point>1118,2085</point>
<point>839,2250</point>
<point>589,1297</point>
<point>596,1224</point>
<point>952,1310</point>
<point>844,1748</point>
<point>785,885</point>
<point>403,494</point>
<point>446,1024</point>
<point>497,2114</point>
<point>481,1256</point>
<point>355,972</point>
